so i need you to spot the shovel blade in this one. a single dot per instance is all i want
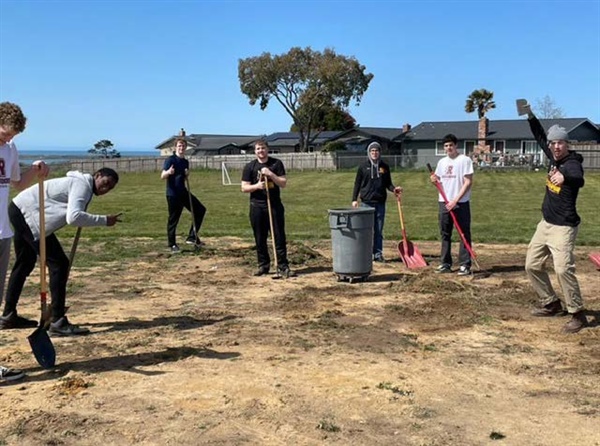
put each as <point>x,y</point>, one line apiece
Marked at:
<point>411,256</point>
<point>595,258</point>
<point>42,348</point>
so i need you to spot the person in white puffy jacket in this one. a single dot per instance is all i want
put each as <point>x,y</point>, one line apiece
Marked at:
<point>65,202</point>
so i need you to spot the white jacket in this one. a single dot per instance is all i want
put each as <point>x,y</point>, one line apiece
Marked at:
<point>66,201</point>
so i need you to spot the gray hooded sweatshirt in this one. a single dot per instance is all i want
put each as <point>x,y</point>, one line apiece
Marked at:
<point>66,201</point>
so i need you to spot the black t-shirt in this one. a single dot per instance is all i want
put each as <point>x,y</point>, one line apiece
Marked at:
<point>176,182</point>
<point>251,174</point>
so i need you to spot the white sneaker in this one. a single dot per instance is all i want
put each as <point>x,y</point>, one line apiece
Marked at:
<point>464,271</point>
<point>8,375</point>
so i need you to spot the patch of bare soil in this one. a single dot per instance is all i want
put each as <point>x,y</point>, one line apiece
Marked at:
<point>192,349</point>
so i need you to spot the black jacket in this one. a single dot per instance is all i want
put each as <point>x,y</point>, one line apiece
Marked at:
<point>560,202</point>
<point>370,185</point>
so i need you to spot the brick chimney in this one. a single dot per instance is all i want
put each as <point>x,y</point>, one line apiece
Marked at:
<point>482,132</point>
<point>182,133</point>
<point>406,128</point>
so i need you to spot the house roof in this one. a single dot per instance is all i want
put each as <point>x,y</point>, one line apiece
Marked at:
<point>207,142</point>
<point>292,138</point>
<point>498,129</point>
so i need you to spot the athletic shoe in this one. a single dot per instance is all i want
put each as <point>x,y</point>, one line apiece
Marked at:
<point>464,271</point>
<point>15,321</point>
<point>286,272</point>
<point>8,375</point>
<point>444,268</point>
<point>577,322</point>
<point>550,310</point>
<point>63,327</point>
<point>262,271</point>
<point>175,249</point>
<point>378,258</point>
<point>190,241</point>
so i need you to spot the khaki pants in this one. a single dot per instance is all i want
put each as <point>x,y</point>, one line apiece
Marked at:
<point>558,242</point>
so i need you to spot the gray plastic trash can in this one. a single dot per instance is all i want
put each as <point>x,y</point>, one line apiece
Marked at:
<point>352,242</point>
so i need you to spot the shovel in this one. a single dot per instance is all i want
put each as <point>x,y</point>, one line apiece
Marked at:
<point>277,275</point>
<point>40,342</point>
<point>187,183</point>
<point>440,189</point>
<point>409,253</point>
<point>595,258</point>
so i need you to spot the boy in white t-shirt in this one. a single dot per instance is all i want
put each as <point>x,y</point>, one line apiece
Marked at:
<point>12,122</point>
<point>455,173</point>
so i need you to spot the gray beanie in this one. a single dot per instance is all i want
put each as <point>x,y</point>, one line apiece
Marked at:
<point>374,145</point>
<point>556,133</point>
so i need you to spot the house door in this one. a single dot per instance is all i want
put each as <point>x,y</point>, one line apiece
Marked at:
<point>469,147</point>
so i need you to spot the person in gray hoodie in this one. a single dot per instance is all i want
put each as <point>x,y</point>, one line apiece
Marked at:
<point>556,232</point>
<point>373,180</point>
<point>66,201</point>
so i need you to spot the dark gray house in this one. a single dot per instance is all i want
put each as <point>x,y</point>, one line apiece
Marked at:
<point>289,142</point>
<point>206,144</point>
<point>503,138</point>
<point>358,138</point>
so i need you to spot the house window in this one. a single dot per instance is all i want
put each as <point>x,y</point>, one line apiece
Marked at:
<point>469,147</point>
<point>439,148</point>
<point>499,147</point>
<point>529,147</point>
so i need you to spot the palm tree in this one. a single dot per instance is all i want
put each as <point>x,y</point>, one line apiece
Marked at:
<point>480,100</point>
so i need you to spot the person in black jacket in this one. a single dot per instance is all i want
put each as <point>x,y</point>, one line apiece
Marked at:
<point>372,182</point>
<point>556,232</point>
<point>175,172</point>
<point>259,174</point>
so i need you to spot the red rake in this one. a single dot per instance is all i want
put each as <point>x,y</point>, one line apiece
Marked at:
<point>409,253</point>
<point>595,258</point>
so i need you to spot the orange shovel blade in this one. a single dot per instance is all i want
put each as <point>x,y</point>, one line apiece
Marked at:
<point>411,256</point>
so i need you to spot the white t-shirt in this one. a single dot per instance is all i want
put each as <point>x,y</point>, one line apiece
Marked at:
<point>452,176</point>
<point>9,171</point>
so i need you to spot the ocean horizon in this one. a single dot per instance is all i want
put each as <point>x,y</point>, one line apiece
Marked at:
<point>63,155</point>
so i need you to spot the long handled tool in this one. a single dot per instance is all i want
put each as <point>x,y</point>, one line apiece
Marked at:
<point>409,253</point>
<point>440,188</point>
<point>40,342</point>
<point>195,231</point>
<point>277,275</point>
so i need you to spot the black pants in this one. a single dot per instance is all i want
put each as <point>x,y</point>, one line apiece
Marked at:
<point>462,211</point>
<point>26,254</point>
<point>176,205</point>
<point>259,219</point>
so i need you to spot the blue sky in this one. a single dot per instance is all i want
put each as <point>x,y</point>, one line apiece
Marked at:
<point>135,72</point>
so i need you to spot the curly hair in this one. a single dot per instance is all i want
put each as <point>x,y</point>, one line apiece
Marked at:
<point>12,117</point>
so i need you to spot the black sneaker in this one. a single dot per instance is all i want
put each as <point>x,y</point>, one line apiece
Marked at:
<point>378,258</point>
<point>286,272</point>
<point>8,375</point>
<point>261,271</point>
<point>190,241</point>
<point>175,249</point>
<point>63,327</point>
<point>444,268</point>
<point>464,271</point>
<point>13,320</point>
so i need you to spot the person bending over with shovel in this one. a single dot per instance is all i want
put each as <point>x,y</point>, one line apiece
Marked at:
<point>175,171</point>
<point>266,208</point>
<point>12,122</point>
<point>66,201</point>
<point>455,174</point>
<point>556,233</point>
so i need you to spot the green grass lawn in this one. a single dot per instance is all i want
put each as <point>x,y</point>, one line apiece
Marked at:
<point>505,206</point>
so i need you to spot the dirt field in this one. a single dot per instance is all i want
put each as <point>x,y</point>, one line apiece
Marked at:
<point>192,350</point>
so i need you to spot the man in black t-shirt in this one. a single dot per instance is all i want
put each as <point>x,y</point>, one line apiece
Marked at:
<point>175,172</point>
<point>259,174</point>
